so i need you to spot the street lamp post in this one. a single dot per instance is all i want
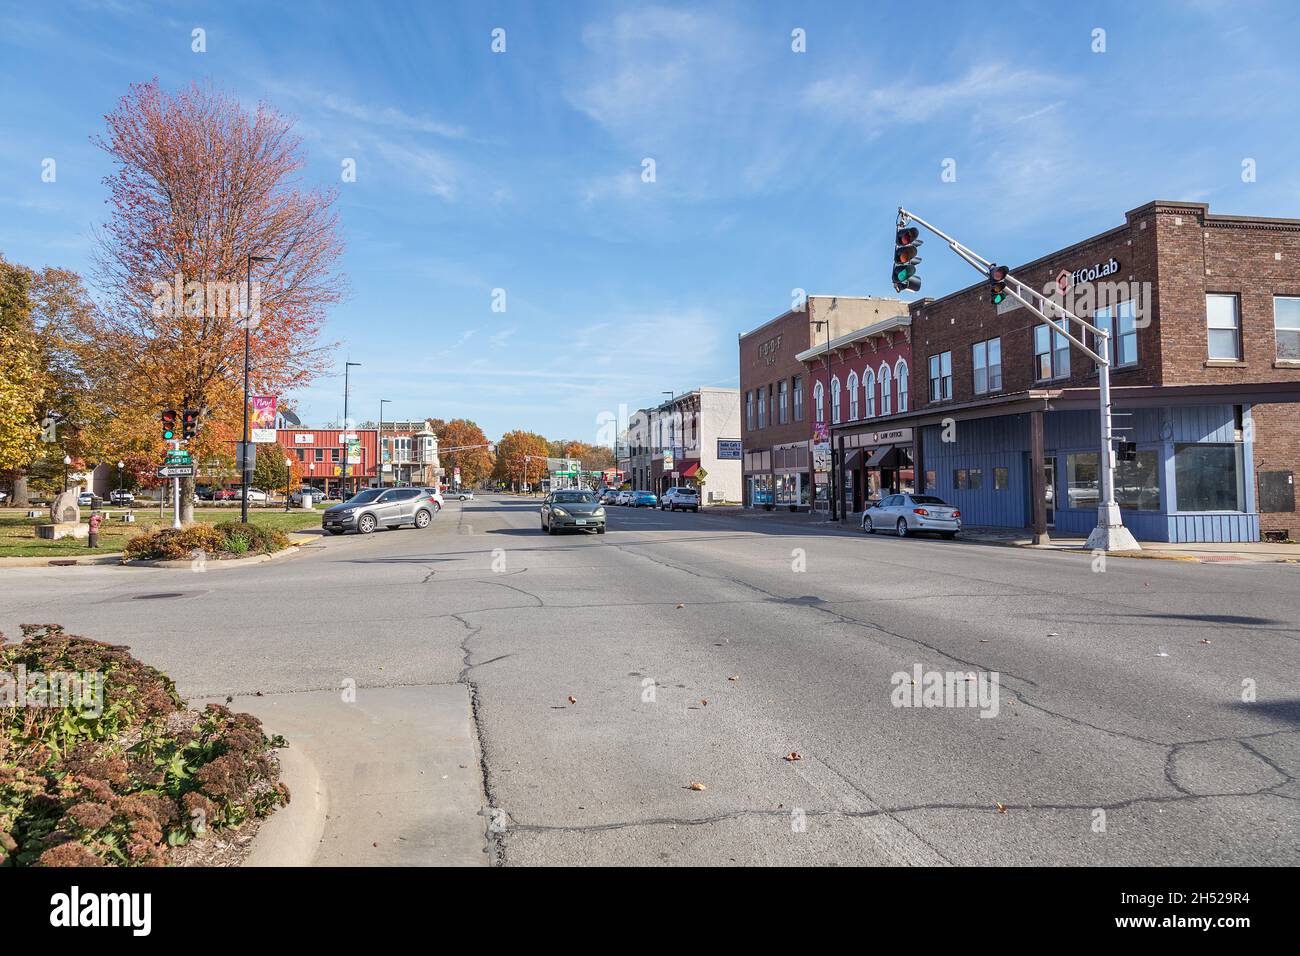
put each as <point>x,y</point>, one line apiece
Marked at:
<point>288,480</point>
<point>379,442</point>
<point>120,466</point>
<point>246,471</point>
<point>347,368</point>
<point>67,460</point>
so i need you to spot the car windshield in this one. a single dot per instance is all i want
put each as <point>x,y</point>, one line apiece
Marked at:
<point>573,498</point>
<point>927,500</point>
<point>365,497</point>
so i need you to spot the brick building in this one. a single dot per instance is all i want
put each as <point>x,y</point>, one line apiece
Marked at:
<point>699,429</point>
<point>321,452</point>
<point>1204,313</point>
<point>410,454</point>
<point>777,421</point>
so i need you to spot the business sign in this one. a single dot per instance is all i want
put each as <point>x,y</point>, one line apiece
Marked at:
<point>344,438</point>
<point>668,461</point>
<point>821,433</point>
<point>729,449</point>
<point>892,436</point>
<point>301,438</point>
<point>354,451</point>
<point>261,418</point>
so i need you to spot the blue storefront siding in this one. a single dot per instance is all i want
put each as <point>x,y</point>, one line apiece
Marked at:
<point>1003,442</point>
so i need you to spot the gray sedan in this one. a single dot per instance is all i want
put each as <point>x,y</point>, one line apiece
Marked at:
<point>905,514</point>
<point>576,510</point>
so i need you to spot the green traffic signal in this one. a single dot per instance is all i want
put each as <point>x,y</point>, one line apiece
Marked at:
<point>997,284</point>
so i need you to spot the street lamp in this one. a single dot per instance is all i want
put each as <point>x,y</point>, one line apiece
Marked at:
<point>379,442</point>
<point>347,368</point>
<point>246,470</point>
<point>288,480</point>
<point>67,460</point>
<point>120,466</point>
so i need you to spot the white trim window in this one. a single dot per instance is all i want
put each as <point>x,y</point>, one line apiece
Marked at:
<point>900,375</point>
<point>783,403</point>
<point>819,401</point>
<point>1051,352</point>
<point>1223,327</point>
<point>1286,327</point>
<point>1124,341</point>
<point>749,409</point>
<point>798,398</point>
<point>869,386</point>
<point>986,360</point>
<point>835,399</point>
<point>886,390</point>
<point>762,406</point>
<point>941,377</point>
<point>853,396</point>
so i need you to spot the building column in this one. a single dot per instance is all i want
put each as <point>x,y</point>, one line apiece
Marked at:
<point>918,464</point>
<point>1037,489</point>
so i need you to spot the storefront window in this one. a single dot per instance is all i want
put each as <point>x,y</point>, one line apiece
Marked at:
<point>1001,479</point>
<point>760,489</point>
<point>1208,477</point>
<point>1083,481</point>
<point>788,491</point>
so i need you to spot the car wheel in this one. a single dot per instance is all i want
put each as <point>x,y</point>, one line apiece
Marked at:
<point>867,526</point>
<point>600,530</point>
<point>902,527</point>
<point>422,519</point>
<point>366,524</point>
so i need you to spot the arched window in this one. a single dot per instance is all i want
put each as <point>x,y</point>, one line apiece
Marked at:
<point>835,399</point>
<point>900,373</point>
<point>853,396</point>
<point>869,386</point>
<point>819,401</point>
<point>886,392</point>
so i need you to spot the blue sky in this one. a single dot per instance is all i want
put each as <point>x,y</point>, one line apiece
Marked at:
<point>774,170</point>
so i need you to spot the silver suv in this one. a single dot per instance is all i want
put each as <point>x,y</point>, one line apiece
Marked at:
<point>380,508</point>
<point>687,499</point>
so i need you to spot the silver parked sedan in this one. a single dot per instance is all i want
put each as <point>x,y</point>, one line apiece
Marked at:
<point>905,514</point>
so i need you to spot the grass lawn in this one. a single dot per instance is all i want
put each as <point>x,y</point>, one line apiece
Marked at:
<point>18,532</point>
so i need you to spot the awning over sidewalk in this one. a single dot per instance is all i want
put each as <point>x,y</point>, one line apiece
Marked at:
<point>879,455</point>
<point>690,470</point>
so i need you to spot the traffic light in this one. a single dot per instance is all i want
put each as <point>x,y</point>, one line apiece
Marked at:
<point>190,423</point>
<point>997,284</point>
<point>905,259</point>
<point>169,424</point>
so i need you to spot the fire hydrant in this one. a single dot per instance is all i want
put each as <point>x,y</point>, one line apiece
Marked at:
<point>96,519</point>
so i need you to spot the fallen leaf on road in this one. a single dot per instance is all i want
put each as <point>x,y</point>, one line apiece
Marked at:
<point>793,755</point>
<point>697,786</point>
<point>1001,807</point>
<point>737,677</point>
<point>680,606</point>
<point>703,702</point>
<point>572,699</point>
<point>1052,634</point>
<point>1205,640</point>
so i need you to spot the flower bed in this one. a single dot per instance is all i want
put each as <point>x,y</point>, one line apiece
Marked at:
<point>226,539</point>
<point>121,775</point>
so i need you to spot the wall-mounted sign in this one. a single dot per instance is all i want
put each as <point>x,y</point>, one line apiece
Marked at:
<point>892,435</point>
<point>1101,270</point>
<point>729,449</point>
<point>767,350</point>
<point>668,461</point>
<point>299,438</point>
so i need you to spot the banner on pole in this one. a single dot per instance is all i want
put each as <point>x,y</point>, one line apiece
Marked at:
<point>261,418</point>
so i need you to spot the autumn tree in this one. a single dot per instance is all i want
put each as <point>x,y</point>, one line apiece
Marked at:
<point>474,464</point>
<point>520,458</point>
<point>199,184</point>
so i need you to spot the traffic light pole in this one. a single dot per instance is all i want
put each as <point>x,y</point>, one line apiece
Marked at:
<point>1110,533</point>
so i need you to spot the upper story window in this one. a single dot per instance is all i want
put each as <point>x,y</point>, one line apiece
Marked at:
<point>986,359</point>
<point>941,377</point>
<point>869,387</point>
<point>1051,352</point>
<point>819,402</point>
<point>762,407</point>
<point>853,396</point>
<point>798,398</point>
<point>1223,327</point>
<point>1286,327</point>
<point>900,373</point>
<point>835,400</point>
<point>886,391</point>
<point>749,410</point>
<point>1120,322</point>
<point>783,404</point>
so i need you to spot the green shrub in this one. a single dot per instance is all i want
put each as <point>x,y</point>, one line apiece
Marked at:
<point>258,537</point>
<point>174,543</point>
<point>120,783</point>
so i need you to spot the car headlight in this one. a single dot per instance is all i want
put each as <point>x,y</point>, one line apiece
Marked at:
<point>560,511</point>
<point>598,513</point>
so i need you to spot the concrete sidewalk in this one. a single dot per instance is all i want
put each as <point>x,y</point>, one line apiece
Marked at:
<point>400,770</point>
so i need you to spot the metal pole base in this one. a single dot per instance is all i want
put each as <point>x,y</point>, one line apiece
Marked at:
<point>1112,538</point>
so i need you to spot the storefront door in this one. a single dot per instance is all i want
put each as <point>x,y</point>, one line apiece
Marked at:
<point>1049,490</point>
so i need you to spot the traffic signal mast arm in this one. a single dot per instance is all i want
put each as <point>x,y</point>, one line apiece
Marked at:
<point>1019,291</point>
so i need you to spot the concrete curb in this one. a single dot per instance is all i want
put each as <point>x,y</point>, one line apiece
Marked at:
<point>210,565</point>
<point>292,835</point>
<point>72,560</point>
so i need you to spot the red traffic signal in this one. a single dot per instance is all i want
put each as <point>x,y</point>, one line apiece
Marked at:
<point>190,423</point>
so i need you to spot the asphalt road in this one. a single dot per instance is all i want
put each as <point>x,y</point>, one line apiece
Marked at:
<point>1119,735</point>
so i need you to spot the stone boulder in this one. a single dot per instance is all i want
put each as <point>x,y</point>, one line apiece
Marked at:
<point>64,509</point>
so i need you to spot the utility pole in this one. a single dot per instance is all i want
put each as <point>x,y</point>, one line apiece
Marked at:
<point>347,368</point>
<point>247,469</point>
<point>1110,533</point>
<point>379,441</point>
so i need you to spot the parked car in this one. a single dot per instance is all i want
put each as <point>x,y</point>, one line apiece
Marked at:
<point>380,508</point>
<point>463,494</point>
<point>573,509</point>
<point>687,499</point>
<point>644,499</point>
<point>255,494</point>
<point>435,496</point>
<point>120,496</point>
<point>905,514</point>
<point>86,499</point>
<point>624,497</point>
